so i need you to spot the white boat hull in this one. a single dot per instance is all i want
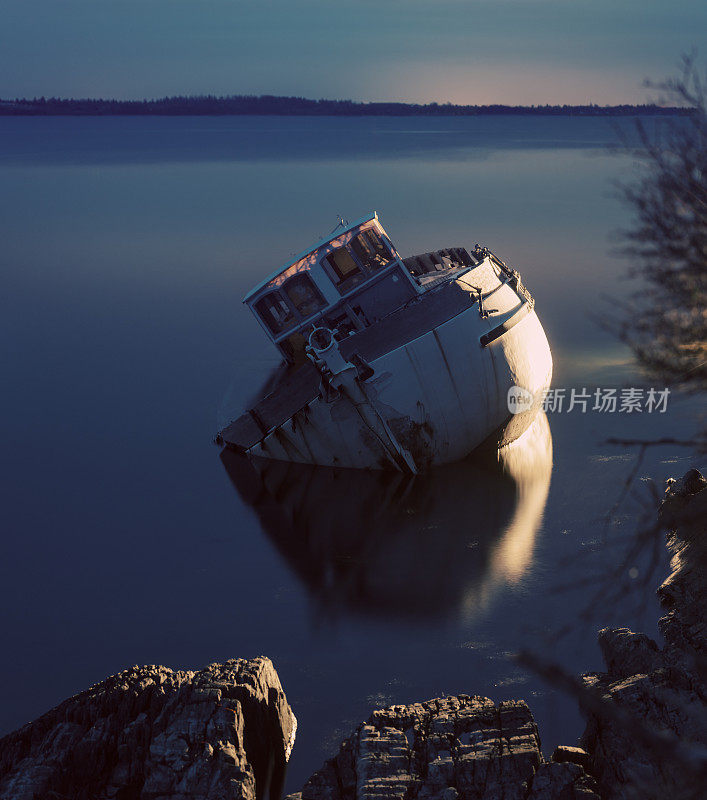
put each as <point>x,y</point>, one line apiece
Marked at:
<point>434,399</point>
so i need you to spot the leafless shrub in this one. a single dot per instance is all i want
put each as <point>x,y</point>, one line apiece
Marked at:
<point>666,326</point>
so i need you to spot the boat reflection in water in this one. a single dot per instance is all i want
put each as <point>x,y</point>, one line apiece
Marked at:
<point>391,544</point>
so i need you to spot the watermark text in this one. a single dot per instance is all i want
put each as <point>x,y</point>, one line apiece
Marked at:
<point>632,400</point>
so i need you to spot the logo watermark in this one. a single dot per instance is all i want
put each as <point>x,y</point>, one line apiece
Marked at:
<point>600,400</point>
<point>519,399</point>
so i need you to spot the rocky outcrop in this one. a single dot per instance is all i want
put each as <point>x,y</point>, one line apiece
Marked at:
<point>225,731</point>
<point>649,738</point>
<point>449,749</point>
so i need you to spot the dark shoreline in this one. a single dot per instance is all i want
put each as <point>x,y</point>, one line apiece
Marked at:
<point>241,105</point>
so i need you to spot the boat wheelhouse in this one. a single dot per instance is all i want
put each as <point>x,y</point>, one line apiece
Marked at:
<point>344,283</point>
<point>390,361</point>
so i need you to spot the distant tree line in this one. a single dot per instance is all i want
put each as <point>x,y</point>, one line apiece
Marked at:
<point>286,106</point>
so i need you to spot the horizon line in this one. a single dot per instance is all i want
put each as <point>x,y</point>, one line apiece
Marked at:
<point>43,99</point>
<point>284,105</point>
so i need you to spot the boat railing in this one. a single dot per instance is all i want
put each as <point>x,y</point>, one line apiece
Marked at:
<point>513,275</point>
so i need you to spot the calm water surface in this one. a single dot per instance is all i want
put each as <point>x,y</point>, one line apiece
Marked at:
<point>127,245</point>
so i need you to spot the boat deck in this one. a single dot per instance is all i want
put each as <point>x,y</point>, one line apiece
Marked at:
<point>299,387</point>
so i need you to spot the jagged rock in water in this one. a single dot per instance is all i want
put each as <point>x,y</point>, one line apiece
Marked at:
<point>456,748</point>
<point>572,755</point>
<point>626,653</point>
<point>651,742</point>
<point>560,781</point>
<point>222,732</point>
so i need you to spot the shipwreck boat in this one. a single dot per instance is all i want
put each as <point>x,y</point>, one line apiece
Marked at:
<point>393,362</point>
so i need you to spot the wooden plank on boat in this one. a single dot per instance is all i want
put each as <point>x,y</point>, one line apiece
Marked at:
<point>290,394</point>
<point>242,433</point>
<point>407,323</point>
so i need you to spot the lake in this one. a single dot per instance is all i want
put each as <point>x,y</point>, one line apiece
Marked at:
<point>127,245</point>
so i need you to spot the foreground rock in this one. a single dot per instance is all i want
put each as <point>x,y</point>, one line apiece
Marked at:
<point>225,731</point>
<point>650,739</point>
<point>448,749</point>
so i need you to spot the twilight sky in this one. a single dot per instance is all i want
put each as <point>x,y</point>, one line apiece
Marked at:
<point>465,51</point>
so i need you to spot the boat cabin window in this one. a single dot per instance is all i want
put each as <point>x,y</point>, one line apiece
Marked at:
<point>304,295</point>
<point>370,250</point>
<point>342,263</point>
<point>275,312</point>
<point>345,269</point>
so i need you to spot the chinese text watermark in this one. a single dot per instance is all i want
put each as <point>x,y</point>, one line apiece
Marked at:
<point>599,400</point>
